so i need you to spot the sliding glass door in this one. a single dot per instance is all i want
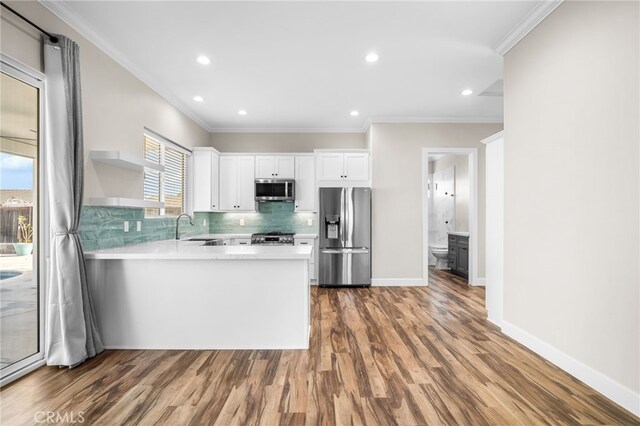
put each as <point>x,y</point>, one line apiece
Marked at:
<point>21,254</point>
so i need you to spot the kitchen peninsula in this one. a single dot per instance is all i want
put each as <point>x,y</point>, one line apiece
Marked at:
<point>183,295</point>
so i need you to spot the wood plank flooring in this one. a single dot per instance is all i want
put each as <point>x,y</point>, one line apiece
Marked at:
<point>378,356</point>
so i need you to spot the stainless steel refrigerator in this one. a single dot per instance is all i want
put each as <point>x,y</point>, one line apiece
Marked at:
<point>345,237</point>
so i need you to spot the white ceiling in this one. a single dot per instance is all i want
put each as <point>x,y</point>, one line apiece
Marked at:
<point>300,66</point>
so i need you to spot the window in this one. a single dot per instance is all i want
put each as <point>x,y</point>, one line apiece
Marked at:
<point>169,186</point>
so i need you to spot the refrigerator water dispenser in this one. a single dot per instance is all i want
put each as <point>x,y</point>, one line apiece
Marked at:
<point>332,227</point>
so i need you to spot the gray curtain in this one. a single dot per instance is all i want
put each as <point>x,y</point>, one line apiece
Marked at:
<point>71,332</point>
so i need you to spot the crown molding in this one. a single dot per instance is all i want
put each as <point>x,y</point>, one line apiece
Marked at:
<point>75,21</point>
<point>439,120</point>
<point>492,138</point>
<point>524,27</point>
<point>285,130</point>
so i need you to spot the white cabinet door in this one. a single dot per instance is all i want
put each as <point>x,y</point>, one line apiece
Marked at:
<point>246,185</point>
<point>312,261</point>
<point>215,182</point>
<point>284,166</point>
<point>356,166</point>
<point>265,167</point>
<point>228,183</point>
<point>331,166</point>
<point>305,184</point>
<point>202,182</point>
<point>240,242</point>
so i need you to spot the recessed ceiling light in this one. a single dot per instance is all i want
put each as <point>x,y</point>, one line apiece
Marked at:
<point>242,112</point>
<point>372,57</point>
<point>354,113</point>
<point>467,92</point>
<point>198,98</point>
<point>203,60</point>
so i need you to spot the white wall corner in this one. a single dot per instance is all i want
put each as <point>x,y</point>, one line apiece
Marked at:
<point>75,21</point>
<point>398,282</point>
<point>524,27</point>
<point>607,386</point>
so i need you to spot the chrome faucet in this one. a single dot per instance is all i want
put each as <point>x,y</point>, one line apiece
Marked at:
<point>178,224</point>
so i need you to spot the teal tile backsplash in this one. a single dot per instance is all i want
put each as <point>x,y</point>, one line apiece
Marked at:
<point>103,227</point>
<point>278,217</point>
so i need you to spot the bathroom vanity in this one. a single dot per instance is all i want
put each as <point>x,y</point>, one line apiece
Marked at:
<point>459,253</point>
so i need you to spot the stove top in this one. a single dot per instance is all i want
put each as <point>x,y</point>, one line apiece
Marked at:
<point>272,238</point>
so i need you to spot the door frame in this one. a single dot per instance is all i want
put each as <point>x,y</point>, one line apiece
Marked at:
<point>472,154</point>
<point>35,78</point>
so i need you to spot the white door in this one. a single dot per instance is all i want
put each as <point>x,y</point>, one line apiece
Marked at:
<point>228,183</point>
<point>265,167</point>
<point>284,167</point>
<point>305,184</point>
<point>246,188</point>
<point>356,166</point>
<point>202,181</point>
<point>331,166</point>
<point>215,182</point>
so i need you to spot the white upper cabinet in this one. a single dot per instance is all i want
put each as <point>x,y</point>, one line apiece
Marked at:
<point>305,184</point>
<point>237,183</point>
<point>343,166</point>
<point>275,167</point>
<point>331,166</point>
<point>205,180</point>
<point>356,166</point>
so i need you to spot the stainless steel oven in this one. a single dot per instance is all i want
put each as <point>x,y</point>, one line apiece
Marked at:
<point>275,190</point>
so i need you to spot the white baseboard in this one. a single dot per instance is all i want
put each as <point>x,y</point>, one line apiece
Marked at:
<point>398,282</point>
<point>608,387</point>
<point>478,282</point>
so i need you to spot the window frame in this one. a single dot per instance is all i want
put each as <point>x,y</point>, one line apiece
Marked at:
<point>163,142</point>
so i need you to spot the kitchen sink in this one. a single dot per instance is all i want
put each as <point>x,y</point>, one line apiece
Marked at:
<point>212,242</point>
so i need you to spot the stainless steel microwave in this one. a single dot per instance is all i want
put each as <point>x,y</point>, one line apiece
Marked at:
<point>275,190</point>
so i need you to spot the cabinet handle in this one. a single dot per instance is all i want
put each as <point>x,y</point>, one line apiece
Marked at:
<point>303,244</point>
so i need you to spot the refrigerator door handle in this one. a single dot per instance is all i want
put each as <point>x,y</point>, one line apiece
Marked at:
<point>362,250</point>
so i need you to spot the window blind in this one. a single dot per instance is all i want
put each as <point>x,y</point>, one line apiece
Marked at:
<point>169,186</point>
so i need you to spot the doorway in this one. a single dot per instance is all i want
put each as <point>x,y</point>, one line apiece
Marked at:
<point>21,254</point>
<point>450,211</point>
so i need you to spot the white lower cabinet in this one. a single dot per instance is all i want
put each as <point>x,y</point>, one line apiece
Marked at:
<point>312,263</point>
<point>240,242</point>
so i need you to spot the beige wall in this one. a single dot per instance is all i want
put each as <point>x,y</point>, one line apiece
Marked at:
<point>397,199</point>
<point>461,186</point>
<point>116,105</point>
<point>572,186</point>
<point>286,142</point>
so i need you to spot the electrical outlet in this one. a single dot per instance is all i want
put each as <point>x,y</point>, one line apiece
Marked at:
<point>138,226</point>
<point>126,226</point>
<point>241,222</point>
<point>310,222</point>
<point>204,222</point>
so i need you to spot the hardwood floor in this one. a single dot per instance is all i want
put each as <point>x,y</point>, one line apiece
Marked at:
<point>378,356</point>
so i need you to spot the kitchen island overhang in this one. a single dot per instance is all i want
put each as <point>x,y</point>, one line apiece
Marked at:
<point>181,295</point>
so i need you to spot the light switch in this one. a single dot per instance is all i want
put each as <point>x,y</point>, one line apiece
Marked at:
<point>138,226</point>
<point>241,222</point>
<point>126,226</point>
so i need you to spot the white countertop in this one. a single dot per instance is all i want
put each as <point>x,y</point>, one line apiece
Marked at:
<point>225,236</point>
<point>460,234</point>
<point>172,249</point>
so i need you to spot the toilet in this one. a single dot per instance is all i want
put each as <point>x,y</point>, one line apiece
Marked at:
<point>442,256</point>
